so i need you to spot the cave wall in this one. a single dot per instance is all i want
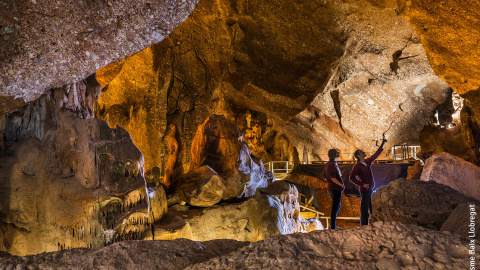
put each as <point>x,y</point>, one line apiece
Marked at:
<point>331,76</point>
<point>449,32</point>
<point>68,180</point>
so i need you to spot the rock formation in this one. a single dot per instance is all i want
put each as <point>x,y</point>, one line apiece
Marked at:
<point>454,172</point>
<point>201,186</point>
<point>283,104</point>
<point>173,169</point>
<point>409,201</point>
<point>68,180</point>
<point>219,145</point>
<point>272,210</point>
<point>48,44</point>
<point>175,254</point>
<point>462,140</point>
<point>460,221</point>
<point>385,245</point>
<point>448,32</point>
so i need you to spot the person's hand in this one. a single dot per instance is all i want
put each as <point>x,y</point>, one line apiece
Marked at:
<point>366,186</point>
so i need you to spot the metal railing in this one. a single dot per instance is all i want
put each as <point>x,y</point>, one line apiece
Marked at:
<point>320,215</point>
<point>405,151</point>
<point>280,169</point>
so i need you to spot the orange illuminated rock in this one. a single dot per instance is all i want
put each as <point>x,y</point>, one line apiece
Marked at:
<point>450,35</point>
<point>173,168</point>
<point>272,210</point>
<point>201,187</point>
<point>69,180</point>
<point>219,145</point>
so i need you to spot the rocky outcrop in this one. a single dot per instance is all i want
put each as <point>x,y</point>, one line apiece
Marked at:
<point>201,186</point>
<point>69,180</point>
<point>449,34</point>
<point>323,80</point>
<point>460,221</point>
<point>173,169</point>
<point>462,140</point>
<point>219,145</point>
<point>47,45</point>
<point>427,204</point>
<point>271,211</point>
<point>175,254</point>
<point>385,245</point>
<point>454,172</point>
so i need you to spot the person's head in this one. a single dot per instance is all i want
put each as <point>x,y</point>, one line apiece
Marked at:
<point>359,154</point>
<point>333,154</point>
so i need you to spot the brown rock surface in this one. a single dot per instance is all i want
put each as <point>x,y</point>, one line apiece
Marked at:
<point>49,44</point>
<point>173,168</point>
<point>409,201</point>
<point>449,32</point>
<point>463,140</point>
<point>454,172</point>
<point>201,186</point>
<point>271,211</point>
<point>383,245</point>
<point>219,145</point>
<point>460,222</point>
<point>70,182</point>
<point>175,254</point>
<point>329,67</point>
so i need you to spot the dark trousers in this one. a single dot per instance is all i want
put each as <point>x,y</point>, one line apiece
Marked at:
<point>336,196</point>
<point>365,206</point>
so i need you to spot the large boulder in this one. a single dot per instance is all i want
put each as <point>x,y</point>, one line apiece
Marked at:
<point>271,211</point>
<point>427,204</point>
<point>460,221</point>
<point>49,44</point>
<point>201,186</point>
<point>454,172</point>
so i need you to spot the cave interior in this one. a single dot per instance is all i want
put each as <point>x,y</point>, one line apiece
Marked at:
<point>201,129</point>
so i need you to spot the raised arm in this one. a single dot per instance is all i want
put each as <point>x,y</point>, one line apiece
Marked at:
<point>377,154</point>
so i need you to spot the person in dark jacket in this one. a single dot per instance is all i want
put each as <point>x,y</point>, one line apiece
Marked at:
<point>362,176</point>
<point>335,187</point>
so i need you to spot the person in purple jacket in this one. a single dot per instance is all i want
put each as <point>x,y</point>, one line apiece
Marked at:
<point>362,176</point>
<point>332,175</point>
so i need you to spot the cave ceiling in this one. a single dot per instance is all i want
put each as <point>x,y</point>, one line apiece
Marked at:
<point>310,75</point>
<point>46,43</point>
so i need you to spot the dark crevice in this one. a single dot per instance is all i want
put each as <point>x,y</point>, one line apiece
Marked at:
<point>335,94</point>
